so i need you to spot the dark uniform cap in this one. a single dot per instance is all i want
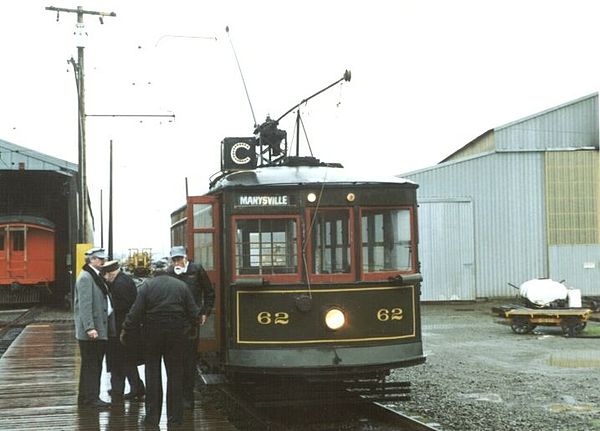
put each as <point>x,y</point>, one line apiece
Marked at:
<point>110,266</point>
<point>178,251</point>
<point>98,252</point>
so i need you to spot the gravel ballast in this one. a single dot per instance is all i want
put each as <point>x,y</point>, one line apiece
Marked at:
<point>479,375</point>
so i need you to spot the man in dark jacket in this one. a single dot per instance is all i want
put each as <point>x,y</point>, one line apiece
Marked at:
<point>166,306</point>
<point>122,360</point>
<point>201,289</point>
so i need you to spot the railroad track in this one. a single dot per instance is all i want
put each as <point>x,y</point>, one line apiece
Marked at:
<point>10,329</point>
<point>251,414</point>
<point>393,417</point>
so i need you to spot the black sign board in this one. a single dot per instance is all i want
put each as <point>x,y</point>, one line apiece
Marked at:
<point>238,153</point>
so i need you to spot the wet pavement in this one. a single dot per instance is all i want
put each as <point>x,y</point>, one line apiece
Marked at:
<point>39,375</point>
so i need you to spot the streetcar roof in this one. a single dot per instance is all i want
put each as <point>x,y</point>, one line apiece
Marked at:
<point>303,175</point>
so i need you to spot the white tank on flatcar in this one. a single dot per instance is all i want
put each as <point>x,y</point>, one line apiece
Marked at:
<point>543,291</point>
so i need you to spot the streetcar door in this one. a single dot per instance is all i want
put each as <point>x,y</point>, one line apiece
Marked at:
<point>203,239</point>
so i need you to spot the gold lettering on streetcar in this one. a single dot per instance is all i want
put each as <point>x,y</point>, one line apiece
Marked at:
<point>397,314</point>
<point>266,318</point>
<point>384,314</point>
<point>282,318</point>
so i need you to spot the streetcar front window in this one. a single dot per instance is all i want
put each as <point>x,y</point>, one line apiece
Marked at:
<point>386,240</point>
<point>266,246</point>
<point>331,242</point>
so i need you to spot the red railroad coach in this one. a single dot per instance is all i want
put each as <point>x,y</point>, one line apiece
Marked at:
<point>27,253</point>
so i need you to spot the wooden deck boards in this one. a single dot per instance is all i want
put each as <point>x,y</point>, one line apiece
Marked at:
<point>39,375</point>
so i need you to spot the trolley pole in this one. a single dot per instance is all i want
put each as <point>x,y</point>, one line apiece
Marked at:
<point>79,78</point>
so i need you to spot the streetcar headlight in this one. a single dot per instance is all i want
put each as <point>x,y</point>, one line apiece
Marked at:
<point>311,197</point>
<point>335,319</point>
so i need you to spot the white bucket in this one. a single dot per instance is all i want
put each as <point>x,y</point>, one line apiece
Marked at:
<point>574,296</point>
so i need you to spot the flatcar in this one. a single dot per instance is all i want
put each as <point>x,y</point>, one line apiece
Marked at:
<point>315,267</point>
<point>27,248</point>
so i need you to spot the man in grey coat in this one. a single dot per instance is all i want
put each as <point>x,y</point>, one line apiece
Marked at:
<point>92,306</point>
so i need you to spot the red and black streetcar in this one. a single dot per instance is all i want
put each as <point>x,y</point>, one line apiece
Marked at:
<point>315,268</point>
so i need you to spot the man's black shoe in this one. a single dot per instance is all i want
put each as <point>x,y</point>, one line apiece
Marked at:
<point>150,421</point>
<point>116,399</point>
<point>136,396</point>
<point>98,404</point>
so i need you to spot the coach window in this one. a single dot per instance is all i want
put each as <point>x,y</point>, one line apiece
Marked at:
<point>330,242</point>
<point>387,243</point>
<point>266,247</point>
<point>18,240</point>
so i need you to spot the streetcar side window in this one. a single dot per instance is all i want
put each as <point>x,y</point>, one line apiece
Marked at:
<point>1,240</point>
<point>386,240</point>
<point>331,243</point>
<point>266,246</point>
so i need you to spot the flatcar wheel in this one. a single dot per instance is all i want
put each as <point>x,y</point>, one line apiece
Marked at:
<point>580,327</point>
<point>521,325</point>
<point>572,326</point>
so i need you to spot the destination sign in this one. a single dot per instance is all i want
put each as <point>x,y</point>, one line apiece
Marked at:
<point>263,201</point>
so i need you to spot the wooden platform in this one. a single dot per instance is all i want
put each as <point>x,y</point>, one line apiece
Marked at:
<point>39,375</point>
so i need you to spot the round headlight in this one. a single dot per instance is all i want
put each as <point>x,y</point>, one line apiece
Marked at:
<point>311,197</point>
<point>335,319</point>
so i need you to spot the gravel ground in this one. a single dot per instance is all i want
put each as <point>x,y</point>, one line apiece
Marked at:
<point>479,375</point>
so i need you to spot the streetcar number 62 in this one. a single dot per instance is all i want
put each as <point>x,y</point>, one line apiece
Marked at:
<point>384,314</point>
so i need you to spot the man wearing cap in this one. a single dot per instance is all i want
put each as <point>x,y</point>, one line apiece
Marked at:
<point>201,289</point>
<point>91,308</point>
<point>166,307</point>
<point>122,360</point>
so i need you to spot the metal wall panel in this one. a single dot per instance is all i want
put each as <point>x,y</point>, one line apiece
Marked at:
<point>572,196</point>
<point>578,265</point>
<point>507,191</point>
<point>572,125</point>
<point>447,250</point>
<point>482,144</point>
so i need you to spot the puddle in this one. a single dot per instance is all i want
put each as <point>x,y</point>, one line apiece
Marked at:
<point>489,397</point>
<point>572,408</point>
<point>575,360</point>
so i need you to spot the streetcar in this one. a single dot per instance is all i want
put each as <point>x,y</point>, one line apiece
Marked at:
<point>315,267</point>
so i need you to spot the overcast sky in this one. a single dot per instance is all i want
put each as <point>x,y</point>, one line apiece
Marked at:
<point>428,76</point>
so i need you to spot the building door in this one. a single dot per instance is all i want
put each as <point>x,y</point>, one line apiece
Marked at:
<point>446,250</point>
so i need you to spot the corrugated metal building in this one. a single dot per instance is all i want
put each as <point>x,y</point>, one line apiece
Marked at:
<point>518,202</point>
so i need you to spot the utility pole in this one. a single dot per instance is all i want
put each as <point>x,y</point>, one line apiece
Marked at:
<point>79,77</point>
<point>110,206</point>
